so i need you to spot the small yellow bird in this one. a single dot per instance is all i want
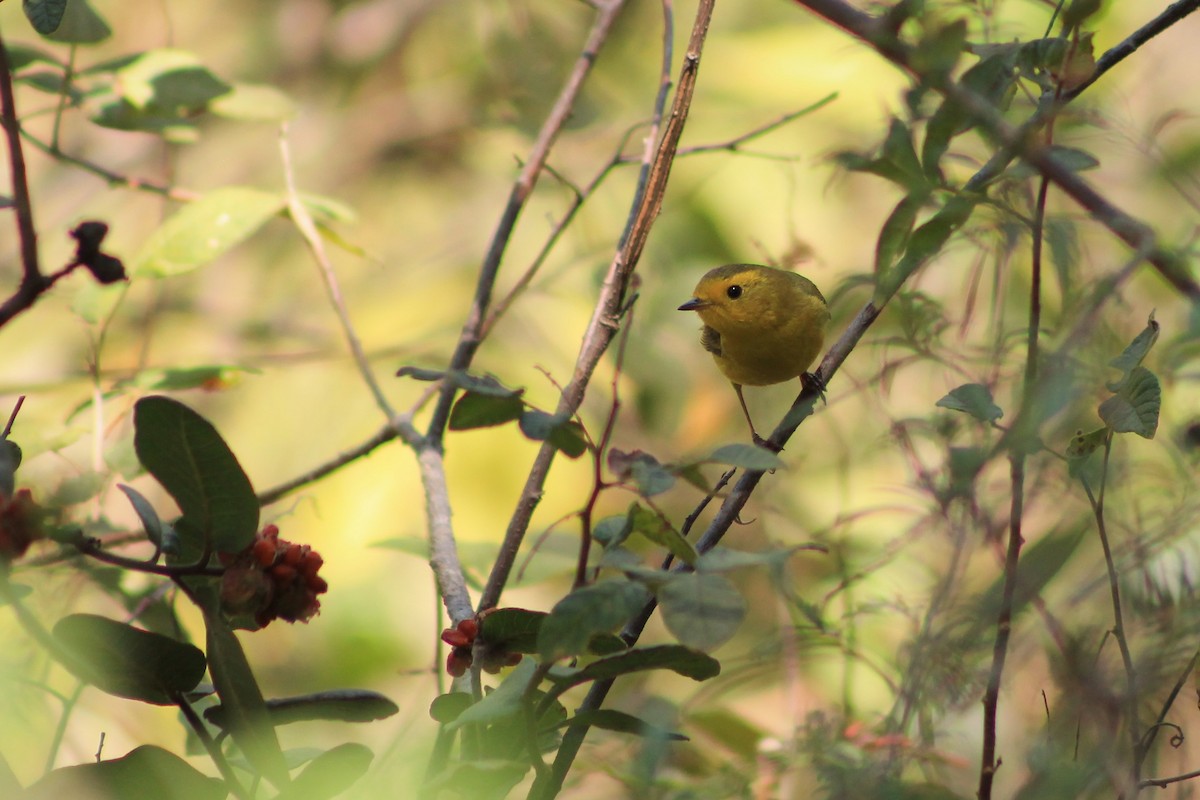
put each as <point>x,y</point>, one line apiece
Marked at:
<point>762,325</point>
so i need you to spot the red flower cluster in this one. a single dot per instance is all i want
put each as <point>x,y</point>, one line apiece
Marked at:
<point>273,578</point>
<point>461,639</point>
<point>20,524</point>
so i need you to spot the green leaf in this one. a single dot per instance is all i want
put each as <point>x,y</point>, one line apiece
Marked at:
<point>1070,158</point>
<point>151,524</point>
<point>446,708</point>
<point>44,15</point>
<point>1079,451</point>
<point>330,774</point>
<point>924,243</point>
<point>1040,562</point>
<point>940,48</point>
<point>723,559</point>
<point>512,630</point>
<point>503,702</point>
<point>253,102</point>
<point>675,657</point>
<point>484,410</point>
<point>612,720</point>
<point>205,229</point>
<point>168,79</point>
<point>903,166</point>
<point>184,452</point>
<point>1083,444</point>
<point>974,399</point>
<point>142,773</point>
<point>565,434</point>
<point>893,236</point>
<point>246,715</point>
<point>79,24</point>
<point>1135,407</point>
<point>1135,352</point>
<point>612,531</point>
<point>993,78</point>
<point>1079,10</point>
<point>127,662</point>
<point>15,590</point>
<point>964,465</point>
<point>649,475</point>
<point>21,56</point>
<point>746,456</point>
<point>658,530</point>
<point>338,705</point>
<point>176,379</point>
<point>477,384</point>
<point>595,609</point>
<point>702,610</point>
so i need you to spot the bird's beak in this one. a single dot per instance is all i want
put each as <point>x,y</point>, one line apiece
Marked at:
<point>695,304</point>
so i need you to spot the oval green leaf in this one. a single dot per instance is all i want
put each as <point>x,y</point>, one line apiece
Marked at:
<point>703,610</point>
<point>128,662</point>
<point>184,452</point>
<point>599,608</point>
<point>146,771</point>
<point>205,229</point>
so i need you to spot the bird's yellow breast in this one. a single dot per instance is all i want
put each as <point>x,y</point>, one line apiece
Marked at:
<point>766,325</point>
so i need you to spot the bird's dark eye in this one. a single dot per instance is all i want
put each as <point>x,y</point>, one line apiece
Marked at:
<point>734,292</point>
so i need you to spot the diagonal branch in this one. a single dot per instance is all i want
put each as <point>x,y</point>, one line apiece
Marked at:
<point>876,32</point>
<point>606,317</point>
<point>470,338</point>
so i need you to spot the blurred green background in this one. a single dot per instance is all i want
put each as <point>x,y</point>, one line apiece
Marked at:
<point>416,115</point>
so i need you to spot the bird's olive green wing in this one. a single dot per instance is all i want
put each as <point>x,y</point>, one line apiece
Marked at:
<point>710,340</point>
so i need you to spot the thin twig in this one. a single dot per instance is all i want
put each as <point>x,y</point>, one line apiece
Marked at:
<point>1114,588</point>
<point>33,282</point>
<point>1135,233</point>
<point>1122,50</point>
<point>308,231</point>
<point>600,330</point>
<point>470,338</point>
<point>384,435</point>
<point>1152,732</point>
<point>214,751</point>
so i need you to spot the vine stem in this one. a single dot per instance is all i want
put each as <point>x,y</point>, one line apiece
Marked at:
<point>1118,630</point>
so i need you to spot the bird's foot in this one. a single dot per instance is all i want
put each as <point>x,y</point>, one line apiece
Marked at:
<point>811,381</point>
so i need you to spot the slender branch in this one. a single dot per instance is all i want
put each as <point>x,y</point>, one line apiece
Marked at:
<point>308,230</point>
<point>1122,50</point>
<point>13,417</point>
<point>988,762</point>
<point>1114,589</point>
<point>1152,732</point>
<point>470,337</point>
<point>33,283</point>
<point>1162,783</point>
<point>91,547</point>
<point>210,746</point>
<point>605,318</point>
<point>110,177</point>
<point>1139,236</point>
<point>443,553</point>
<point>384,435</point>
